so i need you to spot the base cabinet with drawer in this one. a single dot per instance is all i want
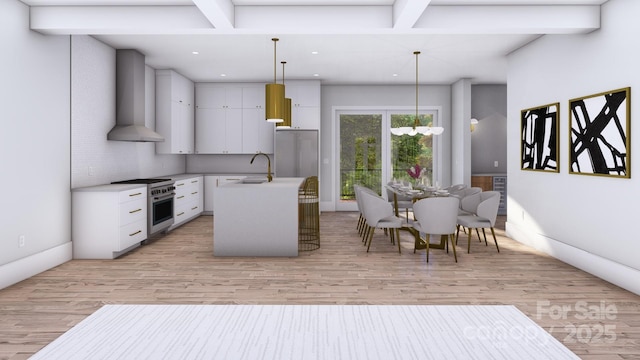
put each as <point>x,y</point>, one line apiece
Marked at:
<point>108,220</point>
<point>189,199</point>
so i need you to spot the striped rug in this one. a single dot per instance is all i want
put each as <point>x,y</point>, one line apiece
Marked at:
<point>368,332</point>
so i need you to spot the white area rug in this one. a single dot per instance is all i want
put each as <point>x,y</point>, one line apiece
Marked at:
<point>234,332</point>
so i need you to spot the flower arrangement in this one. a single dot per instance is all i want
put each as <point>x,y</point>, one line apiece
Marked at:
<point>415,171</point>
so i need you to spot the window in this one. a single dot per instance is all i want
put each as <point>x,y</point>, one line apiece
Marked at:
<point>369,155</point>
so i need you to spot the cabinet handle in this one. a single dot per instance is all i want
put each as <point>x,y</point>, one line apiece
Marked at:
<point>134,211</point>
<point>193,193</point>
<point>193,208</point>
<point>180,184</point>
<point>180,214</point>
<point>194,181</point>
<point>180,197</point>
<point>136,194</point>
<point>217,182</point>
<point>136,233</point>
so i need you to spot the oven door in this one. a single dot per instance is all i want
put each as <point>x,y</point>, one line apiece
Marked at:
<point>161,213</point>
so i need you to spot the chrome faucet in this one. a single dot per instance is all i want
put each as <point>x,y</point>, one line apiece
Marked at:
<point>269,177</point>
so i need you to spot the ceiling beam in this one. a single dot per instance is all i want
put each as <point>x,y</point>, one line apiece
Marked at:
<point>220,17</point>
<point>219,12</point>
<point>318,19</point>
<point>115,20</point>
<point>540,19</point>
<point>407,12</point>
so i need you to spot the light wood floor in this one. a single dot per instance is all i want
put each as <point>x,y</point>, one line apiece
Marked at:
<point>179,268</point>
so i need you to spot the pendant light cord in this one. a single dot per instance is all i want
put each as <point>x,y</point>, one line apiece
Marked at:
<point>283,62</point>
<point>415,122</point>
<point>275,41</point>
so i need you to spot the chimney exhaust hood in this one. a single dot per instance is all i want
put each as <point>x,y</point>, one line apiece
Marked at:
<point>130,102</point>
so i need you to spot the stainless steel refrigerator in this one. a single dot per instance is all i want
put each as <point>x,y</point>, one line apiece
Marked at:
<point>296,153</point>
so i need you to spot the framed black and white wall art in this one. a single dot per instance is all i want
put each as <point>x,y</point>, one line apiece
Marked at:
<point>599,134</point>
<point>539,138</point>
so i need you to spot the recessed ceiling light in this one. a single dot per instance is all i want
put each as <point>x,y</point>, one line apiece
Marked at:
<point>195,52</point>
<point>223,75</point>
<point>314,52</point>
<point>395,74</point>
<point>316,75</point>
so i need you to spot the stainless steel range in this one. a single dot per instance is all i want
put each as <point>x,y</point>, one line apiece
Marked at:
<point>160,202</point>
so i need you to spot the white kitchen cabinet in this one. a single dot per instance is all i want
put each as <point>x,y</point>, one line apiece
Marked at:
<point>305,104</point>
<point>257,133</point>
<point>108,220</point>
<point>218,131</point>
<point>189,199</point>
<point>211,183</point>
<point>174,113</point>
<point>218,96</point>
<point>218,119</point>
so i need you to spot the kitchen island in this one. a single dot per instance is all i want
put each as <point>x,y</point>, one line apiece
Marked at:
<point>257,219</point>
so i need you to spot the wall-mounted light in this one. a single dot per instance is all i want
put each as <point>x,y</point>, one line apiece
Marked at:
<point>474,122</point>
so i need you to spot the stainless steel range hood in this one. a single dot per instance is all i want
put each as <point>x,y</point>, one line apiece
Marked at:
<point>130,102</point>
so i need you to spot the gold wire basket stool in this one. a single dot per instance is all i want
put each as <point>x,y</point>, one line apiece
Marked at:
<point>309,215</point>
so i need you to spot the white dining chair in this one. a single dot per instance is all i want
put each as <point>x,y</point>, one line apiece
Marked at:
<point>456,189</point>
<point>404,202</point>
<point>485,217</point>
<point>363,229</point>
<point>469,200</point>
<point>437,216</point>
<point>379,214</point>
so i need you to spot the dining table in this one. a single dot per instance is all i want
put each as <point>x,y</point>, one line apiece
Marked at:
<point>400,190</point>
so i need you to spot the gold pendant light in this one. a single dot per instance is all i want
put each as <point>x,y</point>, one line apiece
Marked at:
<point>274,95</point>
<point>286,124</point>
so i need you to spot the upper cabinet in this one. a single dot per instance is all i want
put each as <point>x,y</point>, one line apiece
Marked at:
<point>257,133</point>
<point>174,113</point>
<point>218,119</point>
<point>230,119</point>
<point>305,104</point>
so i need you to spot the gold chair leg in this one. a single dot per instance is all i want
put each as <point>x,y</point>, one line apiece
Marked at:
<point>398,240</point>
<point>477,232</point>
<point>494,238</point>
<point>453,246</point>
<point>427,245</point>
<point>469,241</point>
<point>457,233</point>
<point>370,237</point>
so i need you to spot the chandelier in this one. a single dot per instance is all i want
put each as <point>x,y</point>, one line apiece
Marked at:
<point>417,128</point>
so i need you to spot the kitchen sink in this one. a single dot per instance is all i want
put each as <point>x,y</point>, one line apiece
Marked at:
<point>254,180</point>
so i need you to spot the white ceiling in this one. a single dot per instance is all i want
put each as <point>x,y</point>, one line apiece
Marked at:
<point>357,41</point>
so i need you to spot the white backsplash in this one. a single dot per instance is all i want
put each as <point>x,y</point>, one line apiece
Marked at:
<point>94,159</point>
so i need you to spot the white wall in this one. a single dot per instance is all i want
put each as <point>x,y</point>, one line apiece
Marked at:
<point>94,159</point>
<point>461,140</point>
<point>586,221</point>
<point>489,139</point>
<point>377,97</point>
<point>34,146</point>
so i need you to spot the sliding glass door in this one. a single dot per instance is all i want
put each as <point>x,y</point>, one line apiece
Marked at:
<point>361,149</point>
<point>369,155</point>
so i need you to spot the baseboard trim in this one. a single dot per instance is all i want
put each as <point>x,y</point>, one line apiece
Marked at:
<point>618,274</point>
<point>14,272</point>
